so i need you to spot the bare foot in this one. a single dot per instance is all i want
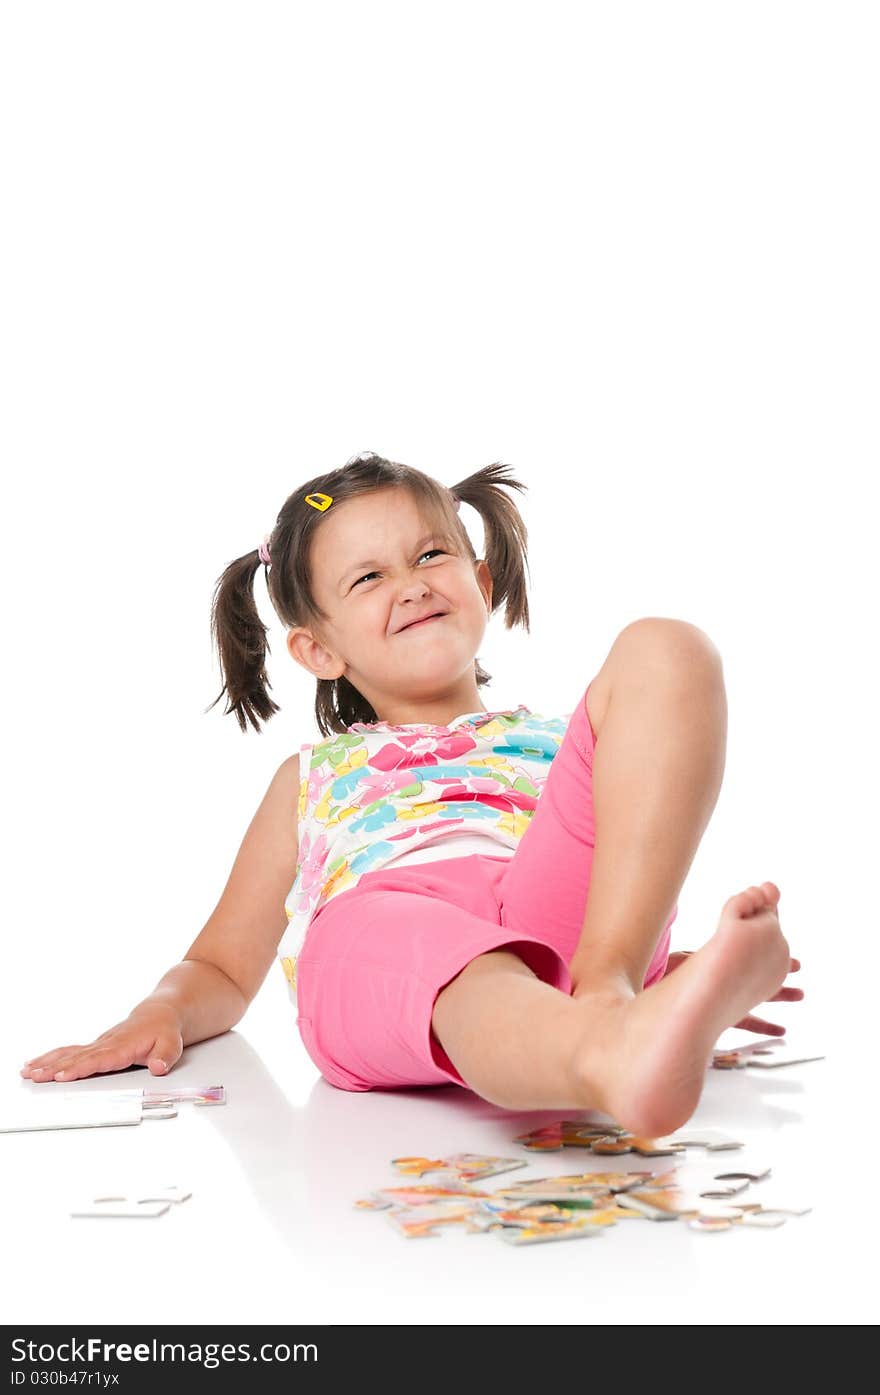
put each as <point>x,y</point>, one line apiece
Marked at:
<point>644,1058</point>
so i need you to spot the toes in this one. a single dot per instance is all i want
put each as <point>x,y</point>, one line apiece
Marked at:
<point>749,900</point>
<point>755,899</point>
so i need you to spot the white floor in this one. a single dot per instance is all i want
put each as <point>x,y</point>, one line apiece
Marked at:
<point>271,1233</point>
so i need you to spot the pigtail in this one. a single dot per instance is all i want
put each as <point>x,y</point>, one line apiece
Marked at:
<point>240,634</point>
<point>506,539</point>
<point>240,638</point>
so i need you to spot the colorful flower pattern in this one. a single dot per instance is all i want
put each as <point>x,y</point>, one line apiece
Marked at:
<point>377,789</point>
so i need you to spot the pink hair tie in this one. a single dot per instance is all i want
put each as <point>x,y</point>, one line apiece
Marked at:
<point>264,550</point>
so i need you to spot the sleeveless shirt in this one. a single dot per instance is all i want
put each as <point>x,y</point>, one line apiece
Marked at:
<point>378,794</point>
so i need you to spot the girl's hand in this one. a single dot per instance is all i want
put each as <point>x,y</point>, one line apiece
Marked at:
<point>150,1036</point>
<point>750,1023</point>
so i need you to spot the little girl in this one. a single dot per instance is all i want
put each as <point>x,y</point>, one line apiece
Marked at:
<point>458,894</point>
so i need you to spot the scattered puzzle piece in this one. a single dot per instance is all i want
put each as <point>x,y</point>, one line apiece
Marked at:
<point>136,1201</point>
<point>590,1188</point>
<point>566,1207</point>
<point>172,1194</point>
<point>420,1222</point>
<point>49,1108</point>
<point>614,1141</point>
<point>467,1167</point>
<point>121,1206</point>
<point>566,1133</point>
<point>529,1213</point>
<point>766,1054</point>
<point>670,1203</point>
<point>769,1059</point>
<point>749,1176</point>
<point>196,1094</point>
<point>719,1193</point>
<point>417,1167</point>
<point>628,1143</point>
<point>416,1195</point>
<point>728,1060</point>
<point>734,1183</point>
<point>710,1139</point>
<point>575,1229</point>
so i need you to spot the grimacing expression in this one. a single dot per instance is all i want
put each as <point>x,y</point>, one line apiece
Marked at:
<point>380,572</point>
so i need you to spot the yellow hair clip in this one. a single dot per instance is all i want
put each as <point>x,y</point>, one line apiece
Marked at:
<point>319,501</point>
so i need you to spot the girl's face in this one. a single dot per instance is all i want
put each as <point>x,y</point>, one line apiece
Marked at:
<point>376,569</point>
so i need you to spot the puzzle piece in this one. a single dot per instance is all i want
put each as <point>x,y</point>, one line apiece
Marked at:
<point>418,1167</point>
<point>52,1108</point>
<point>121,1206</point>
<point>590,1188</point>
<point>467,1167</point>
<point>551,1208</point>
<point>628,1143</point>
<point>540,1213</point>
<point>578,1228</point>
<point>49,1108</point>
<point>710,1139</point>
<point>763,1217</point>
<point>196,1094</point>
<point>137,1201</point>
<point>773,1215</point>
<point>171,1194</point>
<point>711,1223</point>
<point>416,1195</point>
<point>728,1060</point>
<point>420,1222</point>
<point>524,1213</point>
<point>766,1055</point>
<point>749,1176</point>
<point>736,1182</point>
<point>566,1133</point>
<point>669,1203</point>
<point>614,1141</point>
<point>769,1058</point>
<point>719,1193</point>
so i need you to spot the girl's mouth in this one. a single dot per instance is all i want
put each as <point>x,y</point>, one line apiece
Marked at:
<point>418,623</point>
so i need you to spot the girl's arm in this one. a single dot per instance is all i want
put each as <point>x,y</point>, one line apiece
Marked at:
<point>210,990</point>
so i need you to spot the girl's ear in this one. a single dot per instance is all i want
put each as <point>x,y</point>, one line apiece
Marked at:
<point>311,654</point>
<point>484,581</point>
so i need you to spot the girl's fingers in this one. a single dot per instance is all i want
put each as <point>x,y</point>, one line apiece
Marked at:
<point>56,1057</point>
<point>795,965</point>
<point>82,1061</point>
<point>787,995</point>
<point>165,1052</point>
<point>98,1062</point>
<point>73,1063</point>
<point>145,1041</point>
<point>757,1024</point>
<point>49,1060</point>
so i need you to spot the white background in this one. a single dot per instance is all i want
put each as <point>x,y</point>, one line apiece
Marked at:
<point>630,251</point>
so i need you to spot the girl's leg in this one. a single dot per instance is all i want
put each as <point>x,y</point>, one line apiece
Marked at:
<point>641,1060</point>
<point>660,719</point>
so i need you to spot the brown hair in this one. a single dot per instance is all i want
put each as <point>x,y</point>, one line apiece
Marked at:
<point>240,634</point>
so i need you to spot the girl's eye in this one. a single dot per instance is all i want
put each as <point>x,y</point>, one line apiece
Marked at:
<point>429,553</point>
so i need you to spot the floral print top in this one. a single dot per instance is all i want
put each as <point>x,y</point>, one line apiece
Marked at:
<point>379,793</point>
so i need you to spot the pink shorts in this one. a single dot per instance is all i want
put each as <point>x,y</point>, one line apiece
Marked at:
<point>376,956</point>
